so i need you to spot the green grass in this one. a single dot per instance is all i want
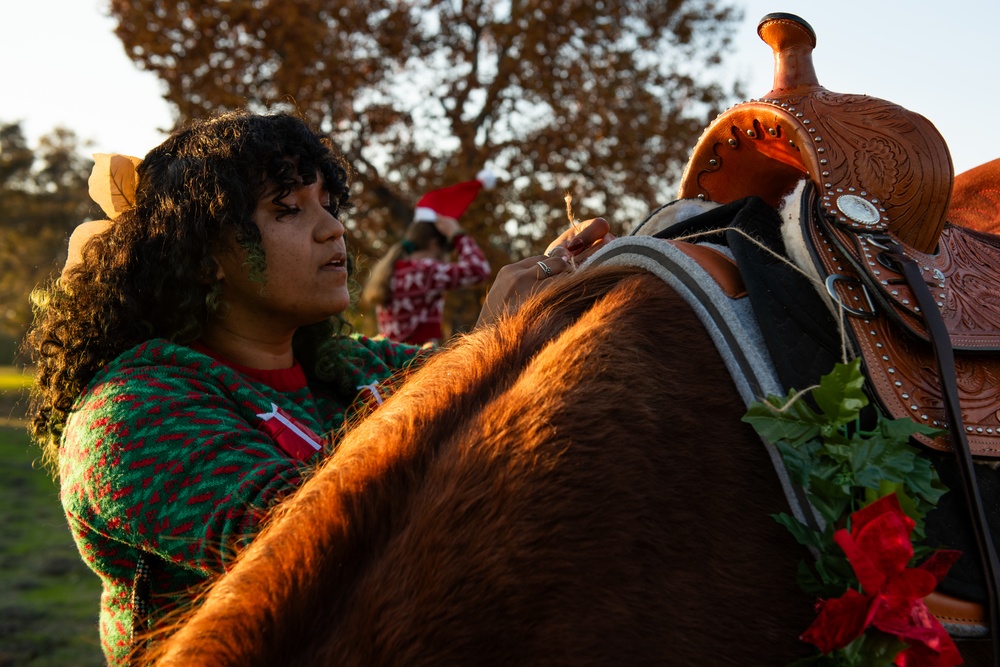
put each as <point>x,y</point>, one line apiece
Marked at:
<point>48,598</point>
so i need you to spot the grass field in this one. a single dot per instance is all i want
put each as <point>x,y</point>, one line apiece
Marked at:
<point>48,598</point>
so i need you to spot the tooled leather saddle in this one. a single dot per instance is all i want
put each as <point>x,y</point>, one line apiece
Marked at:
<point>919,296</point>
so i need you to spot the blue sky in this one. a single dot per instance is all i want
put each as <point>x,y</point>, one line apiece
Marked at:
<point>60,64</point>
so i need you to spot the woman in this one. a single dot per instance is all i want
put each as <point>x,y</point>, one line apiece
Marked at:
<point>193,366</point>
<point>407,285</point>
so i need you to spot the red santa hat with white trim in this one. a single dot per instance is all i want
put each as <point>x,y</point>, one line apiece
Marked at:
<point>452,201</point>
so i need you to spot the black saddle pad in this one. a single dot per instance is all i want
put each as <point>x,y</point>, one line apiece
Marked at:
<point>799,331</point>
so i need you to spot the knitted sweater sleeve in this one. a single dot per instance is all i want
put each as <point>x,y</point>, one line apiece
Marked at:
<point>376,367</point>
<point>166,461</point>
<point>380,358</point>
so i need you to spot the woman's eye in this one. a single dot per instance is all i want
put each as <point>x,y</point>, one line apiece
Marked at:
<point>288,212</point>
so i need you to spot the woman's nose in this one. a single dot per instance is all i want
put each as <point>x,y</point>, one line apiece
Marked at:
<point>330,227</point>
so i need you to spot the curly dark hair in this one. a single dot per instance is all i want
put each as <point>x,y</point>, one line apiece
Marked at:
<point>151,274</point>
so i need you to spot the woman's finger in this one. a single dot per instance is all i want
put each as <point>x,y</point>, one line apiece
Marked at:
<point>552,264</point>
<point>559,251</point>
<point>588,234</point>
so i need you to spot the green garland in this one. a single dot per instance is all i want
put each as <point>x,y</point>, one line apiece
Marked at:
<point>842,468</point>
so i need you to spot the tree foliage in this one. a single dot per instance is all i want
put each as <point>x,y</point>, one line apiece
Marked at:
<point>43,196</point>
<point>599,98</point>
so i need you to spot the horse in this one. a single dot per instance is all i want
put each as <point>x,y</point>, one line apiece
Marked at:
<point>492,512</point>
<point>572,485</point>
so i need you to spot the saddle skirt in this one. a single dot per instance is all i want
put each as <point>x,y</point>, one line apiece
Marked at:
<point>888,330</point>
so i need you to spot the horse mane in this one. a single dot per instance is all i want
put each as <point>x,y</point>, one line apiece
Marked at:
<point>540,493</point>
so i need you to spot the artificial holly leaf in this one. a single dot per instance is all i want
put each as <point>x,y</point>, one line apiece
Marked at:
<point>835,437</point>
<point>841,453</point>
<point>831,498</point>
<point>840,394</point>
<point>886,488</point>
<point>874,460</point>
<point>808,581</point>
<point>872,649</point>
<point>882,460</point>
<point>924,483</point>
<point>835,572</point>
<point>798,460</point>
<point>802,533</point>
<point>830,469</point>
<point>788,420</point>
<point>901,429</point>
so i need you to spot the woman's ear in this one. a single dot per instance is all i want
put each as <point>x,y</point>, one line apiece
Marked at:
<point>213,273</point>
<point>225,255</point>
<point>220,273</point>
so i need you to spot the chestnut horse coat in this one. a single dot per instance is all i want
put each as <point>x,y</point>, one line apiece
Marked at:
<point>572,486</point>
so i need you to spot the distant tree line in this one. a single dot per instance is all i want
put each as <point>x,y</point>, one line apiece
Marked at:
<point>43,196</point>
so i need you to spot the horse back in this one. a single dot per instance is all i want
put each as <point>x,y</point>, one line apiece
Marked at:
<point>574,486</point>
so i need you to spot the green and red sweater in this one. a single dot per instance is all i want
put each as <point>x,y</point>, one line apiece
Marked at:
<point>176,455</point>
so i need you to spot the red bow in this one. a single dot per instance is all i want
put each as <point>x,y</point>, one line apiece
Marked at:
<point>878,547</point>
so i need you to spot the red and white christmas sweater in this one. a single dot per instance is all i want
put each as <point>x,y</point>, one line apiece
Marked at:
<point>418,285</point>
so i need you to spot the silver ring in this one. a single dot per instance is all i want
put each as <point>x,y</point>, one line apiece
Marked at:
<point>547,270</point>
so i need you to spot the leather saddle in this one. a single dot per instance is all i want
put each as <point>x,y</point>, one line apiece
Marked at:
<point>882,178</point>
<point>919,296</point>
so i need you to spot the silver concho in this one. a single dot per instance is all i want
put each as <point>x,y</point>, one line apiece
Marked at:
<point>859,210</point>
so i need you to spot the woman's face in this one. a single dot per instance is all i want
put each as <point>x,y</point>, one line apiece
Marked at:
<point>306,276</point>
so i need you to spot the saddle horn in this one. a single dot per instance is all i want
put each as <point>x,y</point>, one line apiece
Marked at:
<point>876,165</point>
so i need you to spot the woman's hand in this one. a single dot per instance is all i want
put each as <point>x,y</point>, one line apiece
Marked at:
<point>516,281</point>
<point>593,235</point>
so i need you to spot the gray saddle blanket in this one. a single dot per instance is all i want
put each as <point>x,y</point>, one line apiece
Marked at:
<point>730,322</point>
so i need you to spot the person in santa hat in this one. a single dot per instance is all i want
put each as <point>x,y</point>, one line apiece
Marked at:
<point>408,284</point>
